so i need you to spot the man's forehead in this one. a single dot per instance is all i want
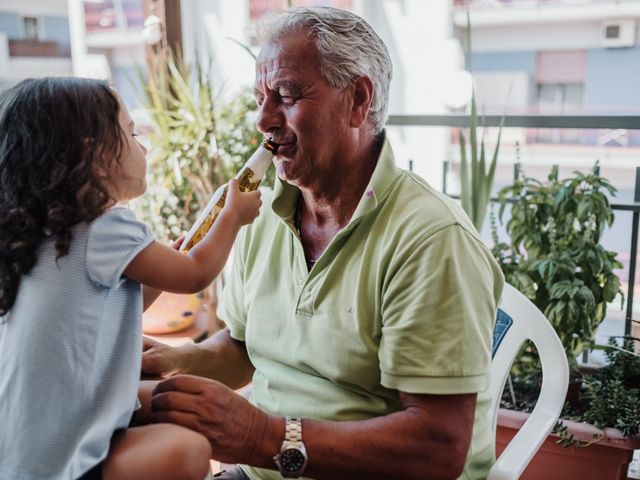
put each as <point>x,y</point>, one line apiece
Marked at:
<point>285,70</point>
<point>274,58</point>
<point>289,50</point>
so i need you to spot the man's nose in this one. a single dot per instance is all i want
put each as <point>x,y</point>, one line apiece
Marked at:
<point>270,116</point>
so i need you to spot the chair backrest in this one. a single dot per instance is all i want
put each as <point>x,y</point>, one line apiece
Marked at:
<point>518,320</point>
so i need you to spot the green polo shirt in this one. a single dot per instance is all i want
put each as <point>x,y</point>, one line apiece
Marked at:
<point>403,299</point>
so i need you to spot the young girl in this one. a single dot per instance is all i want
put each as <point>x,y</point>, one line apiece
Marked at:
<point>72,262</point>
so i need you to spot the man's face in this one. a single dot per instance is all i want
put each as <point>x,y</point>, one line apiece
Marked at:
<point>300,110</point>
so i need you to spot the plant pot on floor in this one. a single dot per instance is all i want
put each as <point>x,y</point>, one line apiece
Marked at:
<point>608,458</point>
<point>171,313</point>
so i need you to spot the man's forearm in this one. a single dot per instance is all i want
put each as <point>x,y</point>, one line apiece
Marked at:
<point>412,443</point>
<point>395,446</point>
<point>220,358</point>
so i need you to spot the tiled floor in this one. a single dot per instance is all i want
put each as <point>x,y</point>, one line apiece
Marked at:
<point>634,467</point>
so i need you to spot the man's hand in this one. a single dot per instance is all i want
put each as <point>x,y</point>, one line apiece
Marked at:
<point>160,360</point>
<point>219,357</point>
<point>234,427</point>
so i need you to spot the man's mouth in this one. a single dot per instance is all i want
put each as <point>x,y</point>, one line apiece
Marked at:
<point>284,149</point>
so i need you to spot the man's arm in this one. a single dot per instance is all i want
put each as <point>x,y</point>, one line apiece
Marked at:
<point>428,438</point>
<point>219,357</point>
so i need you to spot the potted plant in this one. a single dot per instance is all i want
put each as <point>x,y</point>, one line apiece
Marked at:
<point>598,431</point>
<point>197,142</point>
<point>476,172</point>
<point>554,257</point>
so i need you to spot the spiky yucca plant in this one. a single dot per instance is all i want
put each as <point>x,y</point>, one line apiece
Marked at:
<point>476,174</point>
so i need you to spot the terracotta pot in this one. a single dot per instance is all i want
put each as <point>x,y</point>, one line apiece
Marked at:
<point>608,459</point>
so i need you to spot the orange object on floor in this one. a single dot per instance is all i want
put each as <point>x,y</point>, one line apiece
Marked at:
<point>170,313</point>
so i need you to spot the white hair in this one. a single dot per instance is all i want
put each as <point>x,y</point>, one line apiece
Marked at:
<point>347,48</point>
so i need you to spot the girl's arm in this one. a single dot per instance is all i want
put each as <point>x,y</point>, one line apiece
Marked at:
<point>163,268</point>
<point>150,294</point>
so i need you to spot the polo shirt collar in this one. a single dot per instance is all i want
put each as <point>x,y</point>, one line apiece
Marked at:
<point>286,196</point>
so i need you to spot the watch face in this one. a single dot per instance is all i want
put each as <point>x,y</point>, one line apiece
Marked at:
<point>292,460</point>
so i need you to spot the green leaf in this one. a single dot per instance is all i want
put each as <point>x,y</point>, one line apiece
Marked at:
<point>246,48</point>
<point>465,193</point>
<point>574,275</point>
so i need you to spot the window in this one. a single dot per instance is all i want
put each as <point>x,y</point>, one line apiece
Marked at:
<point>31,28</point>
<point>560,97</point>
<point>561,77</point>
<point>556,99</point>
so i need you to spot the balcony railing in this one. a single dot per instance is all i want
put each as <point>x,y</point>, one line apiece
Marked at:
<point>492,4</point>
<point>37,48</point>
<point>631,122</point>
<point>586,121</point>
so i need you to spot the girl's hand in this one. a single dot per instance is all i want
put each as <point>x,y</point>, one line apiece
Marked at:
<point>176,244</point>
<point>244,205</point>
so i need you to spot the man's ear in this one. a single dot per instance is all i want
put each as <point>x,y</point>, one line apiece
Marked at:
<point>362,98</point>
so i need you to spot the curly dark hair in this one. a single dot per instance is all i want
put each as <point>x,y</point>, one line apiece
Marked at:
<point>56,137</point>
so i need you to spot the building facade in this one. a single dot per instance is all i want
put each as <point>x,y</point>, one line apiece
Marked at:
<point>557,57</point>
<point>34,39</point>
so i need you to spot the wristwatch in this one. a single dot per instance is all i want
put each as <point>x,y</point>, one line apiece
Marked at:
<point>292,458</point>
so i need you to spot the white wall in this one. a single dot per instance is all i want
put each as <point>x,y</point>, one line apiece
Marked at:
<point>426,59</point>
<point>35,7</point>
<point>121,57</point>
<point>502,91</point>
<point>25,67</point>
<point>530,27</point>
<point>208,26</point>
<point>17,68</point>
<point>555,36</point>
<point>4,55</point>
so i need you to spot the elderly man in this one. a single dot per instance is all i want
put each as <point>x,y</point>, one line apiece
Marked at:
<point>361,302</point>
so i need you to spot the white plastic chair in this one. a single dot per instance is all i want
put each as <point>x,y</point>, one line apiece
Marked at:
<point>518,320</point>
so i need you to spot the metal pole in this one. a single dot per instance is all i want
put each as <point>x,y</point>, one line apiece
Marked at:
<point>75,13</point>
<point>632,261</point>
<point>119,13</point>
<point>445,171</point>
<point>173,22</point>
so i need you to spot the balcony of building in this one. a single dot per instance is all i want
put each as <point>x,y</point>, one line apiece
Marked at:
<point>610,19</point>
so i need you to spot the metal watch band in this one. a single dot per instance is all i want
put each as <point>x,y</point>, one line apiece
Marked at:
<point>293,429</point>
